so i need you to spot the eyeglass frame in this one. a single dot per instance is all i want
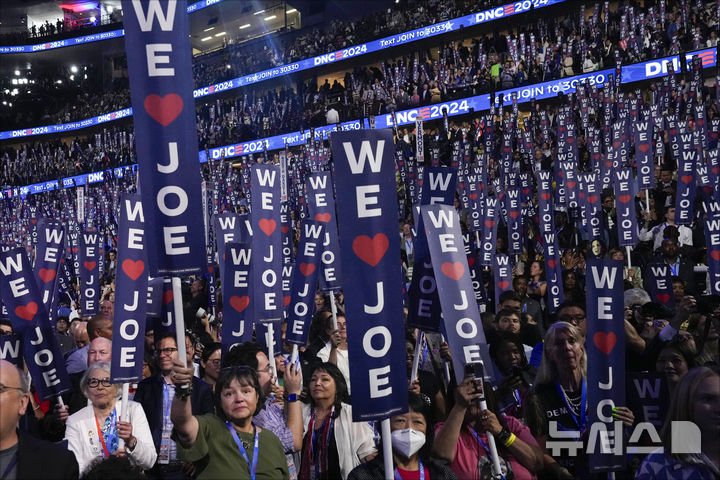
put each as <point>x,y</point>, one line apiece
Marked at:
<point>105,382</point>
<point>4,388</point>
<point>167,351</point>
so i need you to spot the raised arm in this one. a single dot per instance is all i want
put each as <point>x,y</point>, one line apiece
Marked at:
<point>181,415</point>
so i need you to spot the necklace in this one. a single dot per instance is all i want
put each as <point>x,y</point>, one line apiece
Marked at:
<point>574,404</point>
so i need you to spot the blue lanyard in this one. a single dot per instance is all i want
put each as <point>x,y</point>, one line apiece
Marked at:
<point>244,454</point>
<point>166,401</point>
<point>9,467</point>
<point>583,402</point>
<point>421,469</point>
<point>477,437</point>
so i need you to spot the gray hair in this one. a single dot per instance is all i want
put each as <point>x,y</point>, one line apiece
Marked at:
<point>548,371</point>
<point>104,366</point>
<point>24,380</point>
<point>636,296</point>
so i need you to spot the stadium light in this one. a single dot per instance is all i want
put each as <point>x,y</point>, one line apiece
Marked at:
<point>73,69</point>
<point>292,10</point>
<point>220,34</point>
<point>205,39</point>
<point>208,29</point>
<point>270,17</point>
<point>258,13</point>
<point>247,25</point>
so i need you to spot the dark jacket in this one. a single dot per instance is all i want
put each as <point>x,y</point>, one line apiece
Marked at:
<point>149,394</point>
<point>41,459</point>
<point>374,469</point>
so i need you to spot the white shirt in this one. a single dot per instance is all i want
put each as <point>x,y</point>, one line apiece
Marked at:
<point>332,116</point>
<point>656,234</point>
<point>343,363</point>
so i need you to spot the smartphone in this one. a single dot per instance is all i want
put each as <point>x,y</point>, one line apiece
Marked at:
<point>476,371</point>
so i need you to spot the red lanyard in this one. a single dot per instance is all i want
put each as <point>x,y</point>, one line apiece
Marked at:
<point>102,440</point>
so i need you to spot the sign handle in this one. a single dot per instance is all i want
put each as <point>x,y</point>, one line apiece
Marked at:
<point>446,364</point>
<point>627,249</point>
<point>387,449</point>
<point>419,343</point>
<point>271,350</point>
<point>179,320</point>
<point>333,309</point>
<point>294,354</point>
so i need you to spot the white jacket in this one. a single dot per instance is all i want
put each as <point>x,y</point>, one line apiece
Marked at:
<point>354,440</point>
<point>83,440</point>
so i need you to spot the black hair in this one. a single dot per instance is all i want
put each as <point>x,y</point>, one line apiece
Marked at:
<point>114,468</point>
<point>509,295</point>
<point>242,354</point>
<point>341,390</point>
<point>164,335</point>
<point>569,304</point>
<point>418,405</point>
<point>503,337</point>
<point>207,352</point>
<point>245,376</point>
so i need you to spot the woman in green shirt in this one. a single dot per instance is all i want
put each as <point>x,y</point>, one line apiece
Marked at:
<point>227,444</point>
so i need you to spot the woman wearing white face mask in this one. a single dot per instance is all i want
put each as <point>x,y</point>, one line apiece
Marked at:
<point>412,437</point>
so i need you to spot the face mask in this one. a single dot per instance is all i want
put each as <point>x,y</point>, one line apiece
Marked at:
<point>407,442</point>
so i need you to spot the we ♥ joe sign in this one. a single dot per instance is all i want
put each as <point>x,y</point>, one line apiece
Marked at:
<point>161,85</point>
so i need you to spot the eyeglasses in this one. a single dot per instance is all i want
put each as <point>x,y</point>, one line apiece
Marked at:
<point>5,388</point>
<point>5,332</point>
<point>166,351</point>
<point>94,382</point>
<point>215,362</point>
<point>572,319</point>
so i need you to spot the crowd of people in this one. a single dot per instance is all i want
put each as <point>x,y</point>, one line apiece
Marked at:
<point>60,28</point>
<point>540,50</point>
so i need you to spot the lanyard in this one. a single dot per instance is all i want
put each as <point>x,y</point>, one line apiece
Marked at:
<point>583,401</point>
<point>323,443</point>
<point>421,469</point>
<point>100,434</point>
<point>482,444</point>
<point>244,454</point>
<point>166,401</point>
<point>9,467</point>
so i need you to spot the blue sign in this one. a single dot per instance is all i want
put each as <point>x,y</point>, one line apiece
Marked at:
<point>366,196</point>
<point>159,63</point>
<point>131,285</point>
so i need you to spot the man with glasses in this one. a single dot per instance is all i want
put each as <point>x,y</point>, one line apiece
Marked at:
<point>156,394</point>
<point>21,455</point>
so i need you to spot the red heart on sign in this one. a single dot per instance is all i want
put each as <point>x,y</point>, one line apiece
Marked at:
<point>605,342</point>
<point>473,195</point>
<point>592,198</point>
<point>715,254</point>
<point>471,261</point>
<point>74,249</point>
<point>545,196</point>
<point>133,269</point>
<point>371,250</point>
<point>239,303</point>
<point>608,164</point>
<point>33,221</point>
<point>267,226</point>
<point>624,198</point>
<point>46,275</point>
<point>643,147</point>
<point>514,214</point>
<point>686,179</point>
<point>453,270</point>
<point>551,263</point>
<point>167,297</point>
<point>286,300</point>
<point>503,285</point>
<point>489,223</point>
<point>90,265</point>
<point>663,297</point>
<point>306,268</point>
<point>715,170</point>
<point>560,173</point>
<point>27,312</point>
<point>284,229</point>
<point>163,110</point>
<point>323,217</point>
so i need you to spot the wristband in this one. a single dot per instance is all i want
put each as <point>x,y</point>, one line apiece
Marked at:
<point>183,392</point>
<point>503,436</point>
<point>511,440</point>
<point>291,398</point>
